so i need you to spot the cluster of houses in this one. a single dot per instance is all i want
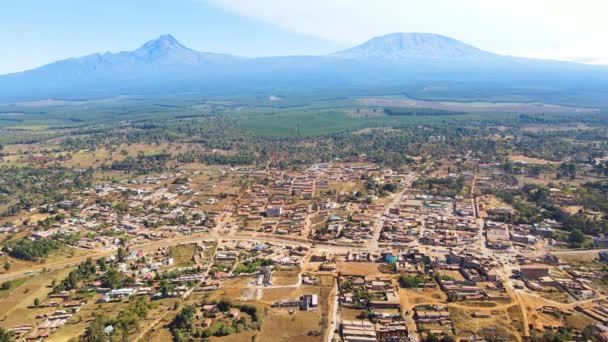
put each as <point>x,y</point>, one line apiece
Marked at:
<point>380,297</point>
<point>430,220</point>
<point>147,211</point>
<point>467,275</point>
<point>49,323</point>
<point>433,319</point>
<point>576,282</point>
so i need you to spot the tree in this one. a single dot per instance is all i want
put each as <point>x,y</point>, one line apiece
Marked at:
<point>29,250</point>
<point>95,331</point>
<point>5,335</point>
<point>178,336</point>
<point>113,279</point>
<point>406,281</point>
<point>588,333</point>
<point>37,302</point>
<point>431,338</point>
<point>121,254</point>
<point>223,305</point>
<point>102,264</point>
<point>184,320</point>
<point>7,266</point>
<point>569,169</point>
<point>576,236</point>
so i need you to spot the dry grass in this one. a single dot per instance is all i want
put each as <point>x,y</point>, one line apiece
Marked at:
<point>15,304</point>
<point>279,325</point>
<point>359,268</point>
<point>412,297</point>
<point>531,160</point>
<point>471,107</point>
<point>500,321</point>
<point>285,277</point>
<point>275,321</point>
<point>182,254</point>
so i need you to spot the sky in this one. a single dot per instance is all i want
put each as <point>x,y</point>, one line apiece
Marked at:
<point>37,32</point>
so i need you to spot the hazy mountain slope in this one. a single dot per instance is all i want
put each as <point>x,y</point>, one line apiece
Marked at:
<point>405,46</point>
<point>165,66</point>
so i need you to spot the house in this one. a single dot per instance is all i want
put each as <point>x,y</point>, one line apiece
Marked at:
<point>274,211</point>
<point>210,308</point>
<point>358,331</point>
<point>534,271</point>
<point>136,254</point>
<point>220,275</point>
<point>226,255</point>
<point>109,330</point>
<point>601,241</point>
<point>480,314</point>
<point>234,313</point>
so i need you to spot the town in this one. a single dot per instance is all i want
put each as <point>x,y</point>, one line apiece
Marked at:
<point>338,251</point>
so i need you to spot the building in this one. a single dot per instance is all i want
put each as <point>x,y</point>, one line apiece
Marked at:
<point>601,241</point>
<point>358,331</point>
<point>389,257</point>
<point>305,302</point>
<point>534,271</point>
<point>391,330</point>
<point>274,211</point>
<point>542,230</point>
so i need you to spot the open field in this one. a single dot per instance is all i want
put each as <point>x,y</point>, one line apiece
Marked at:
<point>17,265</point>
<point>412,297</point>
<point>359,268</point>
<point>182,254</point>
<point>472,107</point>
<point>498,325</point>
<point>286,277</point>
<point>15,303</point>
<point>530,160</point>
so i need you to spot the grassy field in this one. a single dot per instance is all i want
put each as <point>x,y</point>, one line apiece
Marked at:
<point>292,115</point>
<point>472,106</point>
<point>182,254</point>
<point>15,304</point>
<point>303,325</point>
<point>285,277</point>
<point>304,123</point>
<point>12,285</point>
<point>499,325</point>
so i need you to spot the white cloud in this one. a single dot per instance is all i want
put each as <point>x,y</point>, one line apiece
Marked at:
<point>550,27</point>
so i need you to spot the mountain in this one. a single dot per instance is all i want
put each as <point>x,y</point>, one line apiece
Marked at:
<point>167,50</point>
<point>392,63</point>
<point>164,52</point>
<point>406,46</point>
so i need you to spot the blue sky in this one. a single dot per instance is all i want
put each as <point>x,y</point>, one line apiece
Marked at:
<point>36,32</point>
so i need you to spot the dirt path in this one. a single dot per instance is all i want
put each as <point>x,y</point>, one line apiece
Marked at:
<point>150,326</point>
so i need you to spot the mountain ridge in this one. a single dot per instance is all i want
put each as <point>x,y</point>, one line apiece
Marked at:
<point>390,47</point>
<point>164,65</point>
